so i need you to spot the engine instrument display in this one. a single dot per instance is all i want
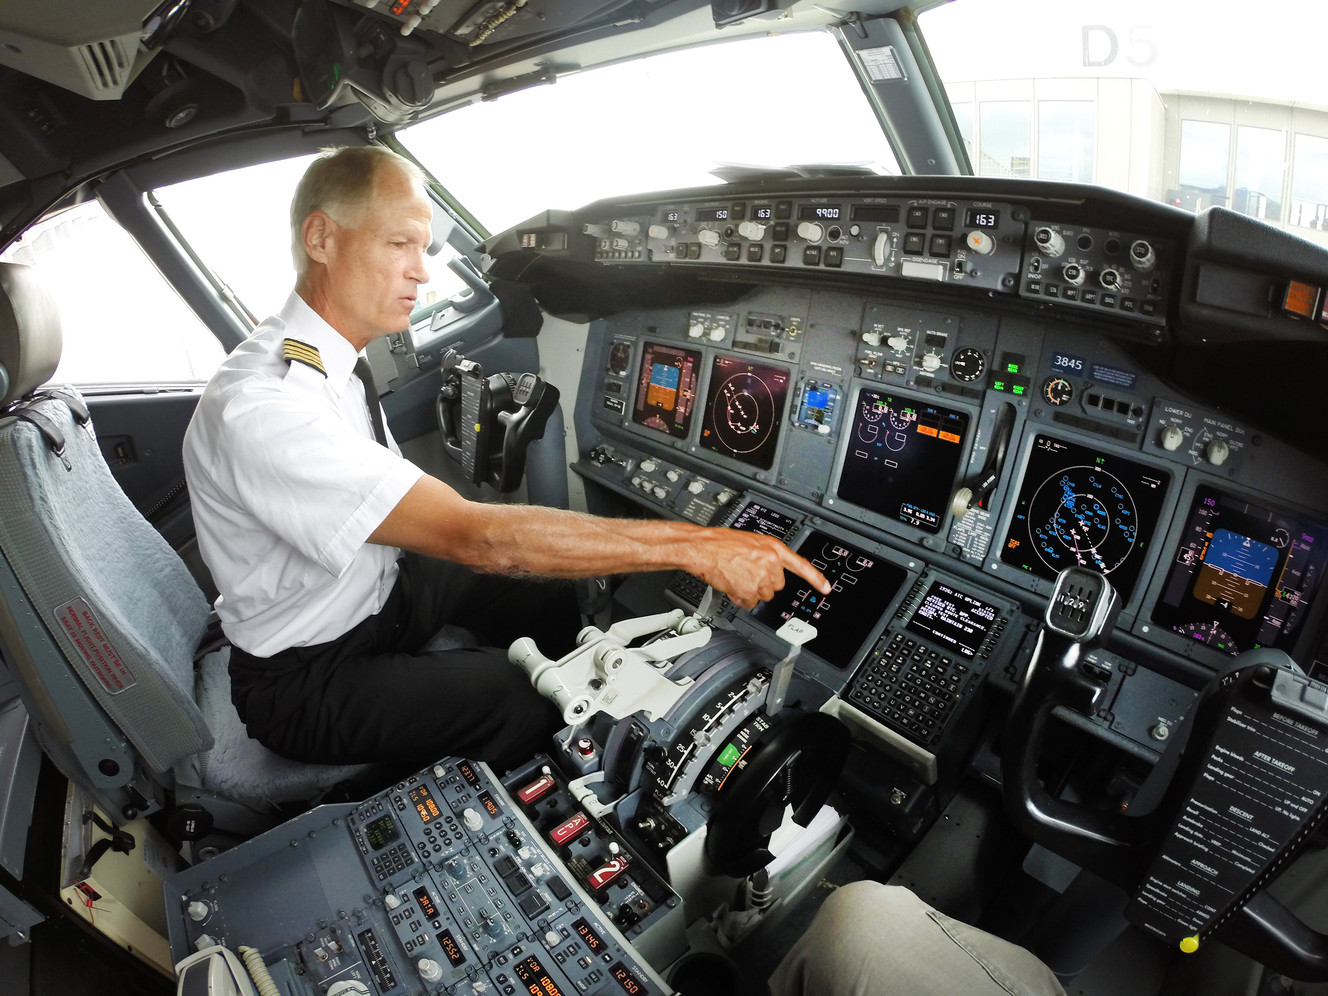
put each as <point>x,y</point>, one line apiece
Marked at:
<point>1242,576</point>
<point>666,389</point>
<point>744,407</point>
<point>861,588</point>
<point>902,457</point>
<point>953,619</point>
<point>1081,507</point>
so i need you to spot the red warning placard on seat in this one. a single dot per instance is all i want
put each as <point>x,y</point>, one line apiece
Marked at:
<point>76,618</point>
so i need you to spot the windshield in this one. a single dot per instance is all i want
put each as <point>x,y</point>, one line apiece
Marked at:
<point>657,123</point>
<point>1192,105</point>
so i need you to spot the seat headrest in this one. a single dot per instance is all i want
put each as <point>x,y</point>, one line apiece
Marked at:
<point>30,336</point>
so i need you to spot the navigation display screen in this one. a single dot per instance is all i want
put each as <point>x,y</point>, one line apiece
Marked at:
<point>666,389</point>
<point>744,410</point>
<point>902,458</point>
<point>1078,506</point>
<point>1242,576</point>
<point>953,619</point>
<point>861,589</point>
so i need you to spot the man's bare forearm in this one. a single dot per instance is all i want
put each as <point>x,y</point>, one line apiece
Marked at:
<point>521,539</point>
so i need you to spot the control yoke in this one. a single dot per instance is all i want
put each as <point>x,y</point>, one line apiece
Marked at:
<point>1241,787</point>
<point>488,422</point>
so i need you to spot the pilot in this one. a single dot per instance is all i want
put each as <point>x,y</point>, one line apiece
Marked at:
<point>304,505</point>
<point>869,939</point>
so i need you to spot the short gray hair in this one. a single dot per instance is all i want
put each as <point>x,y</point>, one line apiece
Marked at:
<point>340,183</point>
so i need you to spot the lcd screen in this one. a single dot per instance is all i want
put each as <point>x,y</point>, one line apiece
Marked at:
<point>744,410</point>
<point>1079,506</point>
<point>757,518</point>
<point>951,618</point>
<point>666,389</point>
<point>861,588</point>
<point>1242,575</point>
<point>902,457</point>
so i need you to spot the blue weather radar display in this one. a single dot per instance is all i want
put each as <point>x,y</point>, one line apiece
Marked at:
<point>1081,508</point>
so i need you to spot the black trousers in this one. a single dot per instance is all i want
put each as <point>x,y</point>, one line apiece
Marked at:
<point>373,696</point>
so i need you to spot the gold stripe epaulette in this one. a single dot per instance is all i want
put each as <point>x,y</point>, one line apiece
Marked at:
<point>302,352</point>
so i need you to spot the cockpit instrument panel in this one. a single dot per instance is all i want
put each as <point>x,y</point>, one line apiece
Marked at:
<point>1242,575</point>
<point>744,410</point>
<point>901,458</point>
<point>1081,506</point>
<point>862,588</point>
<point>666,389</point>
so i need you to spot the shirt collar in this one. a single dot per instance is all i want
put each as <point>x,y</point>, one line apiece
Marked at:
<point>306,325</point>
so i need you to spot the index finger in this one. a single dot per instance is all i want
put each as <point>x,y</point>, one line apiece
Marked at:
<point>804,569</point>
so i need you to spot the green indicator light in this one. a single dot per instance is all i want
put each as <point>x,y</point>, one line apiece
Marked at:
<point>1018,390</point>
<point>1012,368</point>
<point>998,385</point>
<point>729,756</point>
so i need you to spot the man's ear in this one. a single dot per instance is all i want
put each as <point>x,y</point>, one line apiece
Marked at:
<point>317,232</point>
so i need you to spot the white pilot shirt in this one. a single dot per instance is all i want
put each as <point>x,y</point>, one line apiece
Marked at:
<point>287,482</point>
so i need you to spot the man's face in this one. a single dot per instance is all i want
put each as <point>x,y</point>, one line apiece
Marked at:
<point>376,263</point>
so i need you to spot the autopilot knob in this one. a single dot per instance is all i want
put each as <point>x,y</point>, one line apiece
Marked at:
<point>753,230</point>
<point>980,242</point>
<point>708,237</point>
<point>430,970</point>
<point>811,231</point>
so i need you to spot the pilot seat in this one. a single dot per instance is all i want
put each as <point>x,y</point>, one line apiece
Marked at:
<point>101,621</point>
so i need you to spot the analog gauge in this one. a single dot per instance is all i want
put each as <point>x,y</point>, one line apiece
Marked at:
<point>1057,391</point>
<point>620,355</point>
<point>967,365</point>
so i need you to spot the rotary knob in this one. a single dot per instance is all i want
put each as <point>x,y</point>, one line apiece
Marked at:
<point>753,230</point>
<point>659,232</point>
<point>1217,452</point>
<point>1049,241</point>
<point>631,228</point>
<point>811,231</point>
<point>980,243</point>
<point>930,362</point>
<point>708,237</point>
<point>430,970</point>
<point>871,337</point>
<point>1172,437</point>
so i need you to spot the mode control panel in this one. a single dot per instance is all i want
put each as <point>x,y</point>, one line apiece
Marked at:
<point>936,240</point>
